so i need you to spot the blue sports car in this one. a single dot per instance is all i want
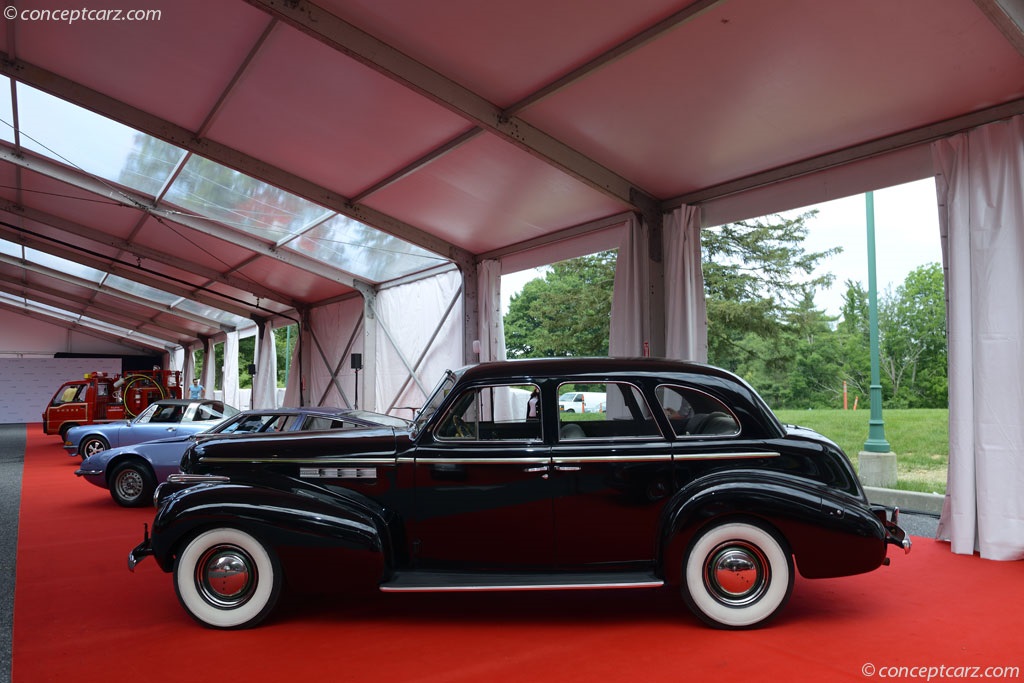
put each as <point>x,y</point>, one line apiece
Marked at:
<point>131,473</point>
<point>161,419</point>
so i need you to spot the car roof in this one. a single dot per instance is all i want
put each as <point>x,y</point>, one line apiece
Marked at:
<point>582,366</point>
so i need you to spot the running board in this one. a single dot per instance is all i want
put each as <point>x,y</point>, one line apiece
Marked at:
<point>432,582</point>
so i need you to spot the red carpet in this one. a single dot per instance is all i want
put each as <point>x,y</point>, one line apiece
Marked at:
<point>80,616</point>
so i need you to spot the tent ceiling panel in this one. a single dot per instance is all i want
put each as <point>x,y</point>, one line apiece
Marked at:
<point>364,138</point>
<point>302,285</point>
<point>177,66</point>
<point>191,245</point>
<point>68,203</point>
<point>502,51</point>
<point>769,84</point>
<point>488,193</point>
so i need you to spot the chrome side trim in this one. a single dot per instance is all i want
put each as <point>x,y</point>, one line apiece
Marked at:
<point>536,460</point>
<point>197,479</point>
<point>481,588</point>
<point>737,455</point>
<point>330,460</point>
<point>661,457</point>
<point>338,473</point>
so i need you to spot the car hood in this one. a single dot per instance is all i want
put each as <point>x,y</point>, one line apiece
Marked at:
<point>213,453</point>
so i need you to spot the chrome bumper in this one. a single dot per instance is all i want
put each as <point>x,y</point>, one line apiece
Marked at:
<point>141,551</point>
<point>894,534</point>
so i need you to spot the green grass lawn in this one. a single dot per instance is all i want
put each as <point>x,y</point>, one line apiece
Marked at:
<point>919,438</point>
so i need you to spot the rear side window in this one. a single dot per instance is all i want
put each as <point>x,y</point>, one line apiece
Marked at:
<point>694,413</point>
<point>610,410</point>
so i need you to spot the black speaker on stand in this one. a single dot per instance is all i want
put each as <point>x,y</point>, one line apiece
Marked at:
<point>357,365</point>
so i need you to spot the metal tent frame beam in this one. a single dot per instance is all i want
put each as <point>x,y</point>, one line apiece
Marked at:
<point>192,141</point>
<point>131,298</point>
<point>172,334</point>
<point>81,328</point>
<point>347,39</point>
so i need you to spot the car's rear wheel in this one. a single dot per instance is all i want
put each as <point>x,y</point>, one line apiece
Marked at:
<point>91,445</point>
<point>132,484</point>
<point>737,575</point>
<point>225,578</point>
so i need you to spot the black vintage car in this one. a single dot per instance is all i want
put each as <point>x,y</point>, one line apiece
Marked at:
<point>686,478</point>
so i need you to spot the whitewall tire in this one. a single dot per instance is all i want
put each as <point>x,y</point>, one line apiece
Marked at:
<point>227,579</point>
<point>737,575</point>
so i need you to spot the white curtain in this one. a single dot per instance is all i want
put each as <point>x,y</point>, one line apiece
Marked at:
<point>492,333</point>
<point>980,187</point>
<point>209,380</point>
<point>188,371</point>
<point>629,326</point>
<point>492,327</point>
<point>264,384</point>
<point>686,318</point>
<point>335,332</point>
<point>231,395</point>
<point>424,332</point>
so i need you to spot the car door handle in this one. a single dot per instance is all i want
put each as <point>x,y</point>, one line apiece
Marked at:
<point>568,468</point>
<point>542,468</point>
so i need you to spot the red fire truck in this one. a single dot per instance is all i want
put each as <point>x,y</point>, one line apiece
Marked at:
<point>98,397</point>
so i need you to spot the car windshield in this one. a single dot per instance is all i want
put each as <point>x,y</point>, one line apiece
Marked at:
<point>378,418</point>
<point>435,400</point>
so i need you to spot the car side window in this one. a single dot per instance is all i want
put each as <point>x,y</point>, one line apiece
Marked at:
<point>211,411</point>
<point>284,424</point>
<point>607,410</point>
<point>248,425</point>
<point>165,414</point>
<point>695,413</point>
<point>491,413</point>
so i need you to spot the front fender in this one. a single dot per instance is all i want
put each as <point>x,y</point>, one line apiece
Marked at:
<point>294,517</point>
<point>829,532</point>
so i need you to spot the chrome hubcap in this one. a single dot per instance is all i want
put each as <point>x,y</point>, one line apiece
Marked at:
<point>737,574</point>
<point>93,447</point>
<point>129,485</point>
<point>226,576</point>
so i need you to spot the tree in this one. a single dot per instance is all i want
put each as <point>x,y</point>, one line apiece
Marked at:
<point>912,329</point>
<point>565,313</point>
<point>853,337</point>
<point>285,340</point>
<point>755,274</point>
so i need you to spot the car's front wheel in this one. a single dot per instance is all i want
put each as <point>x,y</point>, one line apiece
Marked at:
<point>737,574</point>
<point>91,445</point>
<point>132,484</point>
<point>228,579</point>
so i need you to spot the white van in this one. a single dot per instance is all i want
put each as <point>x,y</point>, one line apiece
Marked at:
<point>582,402</point>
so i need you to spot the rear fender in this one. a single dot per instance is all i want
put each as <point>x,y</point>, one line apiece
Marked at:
<point>829,533</point>
<point>293,518</point>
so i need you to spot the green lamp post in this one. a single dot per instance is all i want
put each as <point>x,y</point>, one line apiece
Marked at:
<point>876,442</point>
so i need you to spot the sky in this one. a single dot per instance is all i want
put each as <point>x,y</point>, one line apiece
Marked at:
<point>906,237</point>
